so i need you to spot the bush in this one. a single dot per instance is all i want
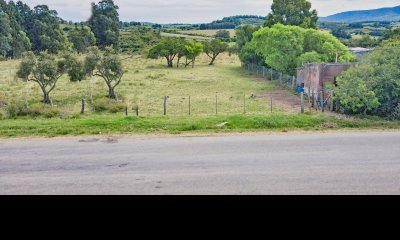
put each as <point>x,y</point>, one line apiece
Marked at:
<point>2,58</point>
<point>20,108</point>
<point>108,105</point>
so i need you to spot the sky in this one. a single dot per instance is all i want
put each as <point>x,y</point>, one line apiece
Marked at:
<point>202,11</point>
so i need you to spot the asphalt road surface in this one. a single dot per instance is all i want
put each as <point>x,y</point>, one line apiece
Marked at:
<point>287,163</point>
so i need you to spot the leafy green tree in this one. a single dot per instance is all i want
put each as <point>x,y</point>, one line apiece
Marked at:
<point>82,38</point>
<point>244,34</point>
<point>310,57</point>
<point>375,82</point>
<point>355,96</point>
<point>106,65</point>
<point>104,23</point>
<point>75,68</point>
<point>43,29</point>
<point>292,12</point>
<point>5,35</point>
<point>223,35</point>
<point>284,48</point>
<point>44,69</point>
<point>168,48</point>
<point>192,51</point>
<point>214,48</point>
<point>19,41</point>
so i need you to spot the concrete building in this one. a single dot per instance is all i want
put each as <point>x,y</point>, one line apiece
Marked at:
<point>314,77</point>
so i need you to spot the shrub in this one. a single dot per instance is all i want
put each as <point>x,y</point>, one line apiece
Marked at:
<point>108,105</point>
<point>20,108</point>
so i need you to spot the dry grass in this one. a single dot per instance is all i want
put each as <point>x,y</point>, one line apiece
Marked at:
<point>145,84</point>
<point>209,33</point>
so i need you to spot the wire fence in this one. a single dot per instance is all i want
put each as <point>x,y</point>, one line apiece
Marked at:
<point>271,75</point>
<point>320,100</point>
<point>218,104</point>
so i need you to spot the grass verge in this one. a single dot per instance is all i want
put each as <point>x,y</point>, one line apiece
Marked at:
<point>106,125</point>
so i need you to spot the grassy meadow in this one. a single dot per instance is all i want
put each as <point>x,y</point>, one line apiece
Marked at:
<point>144,85</point>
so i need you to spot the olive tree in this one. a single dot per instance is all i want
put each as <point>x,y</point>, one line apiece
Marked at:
<point>192,51</point>
<point>214,48</point>
<point>106,65</point>
<point>169,49</point>
<point>44,69</point>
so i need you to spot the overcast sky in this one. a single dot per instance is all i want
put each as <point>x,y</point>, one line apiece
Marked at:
<point>201,11</point>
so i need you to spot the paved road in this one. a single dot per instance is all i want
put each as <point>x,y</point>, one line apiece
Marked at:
<point>291,163</point>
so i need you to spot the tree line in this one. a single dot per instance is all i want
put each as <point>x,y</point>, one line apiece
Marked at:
<point>176,48</point>
<point>24,29</point>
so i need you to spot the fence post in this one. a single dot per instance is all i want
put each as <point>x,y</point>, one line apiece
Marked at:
<point>294,82</point>
<point>323,100</point>
<point>302,102</point>
<point>137,110</point>
<point>271,104</point>
<point>272,74</point>
<point>216,104</point>
<point>83,106</point>
<point>244,104</point>
<point>331,103</point>
<point>126,110</point>
<point>165,105</point>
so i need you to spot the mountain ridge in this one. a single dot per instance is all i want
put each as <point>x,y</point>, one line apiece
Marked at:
<point>381,14</point>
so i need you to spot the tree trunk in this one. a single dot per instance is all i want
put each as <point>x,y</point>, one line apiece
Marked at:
<point>177,63</point>
<point>170,63</point>
<point>46,98</point>
<point>193,63</point>
<point>111,93</point>
<point>212,61</point>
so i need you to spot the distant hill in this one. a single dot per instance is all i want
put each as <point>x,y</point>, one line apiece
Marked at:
<point>233,22</point>
<point>382,14</point>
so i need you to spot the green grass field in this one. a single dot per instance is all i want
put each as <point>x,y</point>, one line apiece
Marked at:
<point>208,33</point>
<point>145,84</point>
<point>182,35</point>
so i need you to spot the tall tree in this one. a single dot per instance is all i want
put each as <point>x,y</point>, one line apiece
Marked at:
<point>214,48</point>
<point>43,29</point>
<point>244,34</point>
<point>5,35</point>
<point>104,23</point>
<point>82,38</point>
<point>292,12</point>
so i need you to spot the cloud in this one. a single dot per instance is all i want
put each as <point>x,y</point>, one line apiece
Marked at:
<point>189,11</point>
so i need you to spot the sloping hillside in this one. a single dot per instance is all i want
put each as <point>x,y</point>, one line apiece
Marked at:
<point>383,14</point>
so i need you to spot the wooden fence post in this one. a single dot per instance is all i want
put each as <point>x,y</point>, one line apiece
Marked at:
<point>272,74</point>
<point>331,103</point>
<point>294,82</point>
<point>302,102</point>
<point>244,104</point>
<point>216,104</point>
<point>271,104</point>
<point>83,106</point>
<point>165,105</point>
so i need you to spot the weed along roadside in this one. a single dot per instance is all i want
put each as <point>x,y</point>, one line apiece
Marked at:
<point>106,125</point>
